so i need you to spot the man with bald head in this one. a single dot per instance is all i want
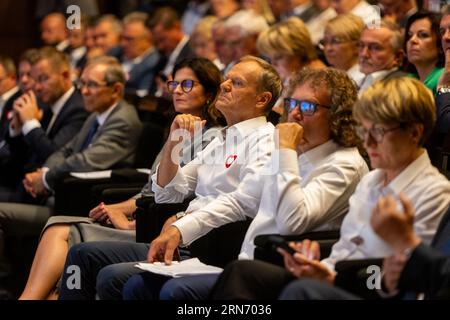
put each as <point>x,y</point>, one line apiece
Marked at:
<point>54,31</point>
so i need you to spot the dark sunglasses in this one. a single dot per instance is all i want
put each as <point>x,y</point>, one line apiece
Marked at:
<point>306,107</point>
<point>186,85</point>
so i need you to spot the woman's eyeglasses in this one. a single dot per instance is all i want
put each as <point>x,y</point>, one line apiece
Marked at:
<point>186,85</point>
<point>375,133</point>
<point>306,107</point>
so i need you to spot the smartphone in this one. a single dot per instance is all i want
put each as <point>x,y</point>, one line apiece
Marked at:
<point>279,242</point>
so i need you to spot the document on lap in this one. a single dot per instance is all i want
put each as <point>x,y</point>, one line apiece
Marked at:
<point>92,174</point>
<point>180,269</point>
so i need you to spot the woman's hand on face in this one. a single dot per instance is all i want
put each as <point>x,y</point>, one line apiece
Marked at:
<point>187,122</point>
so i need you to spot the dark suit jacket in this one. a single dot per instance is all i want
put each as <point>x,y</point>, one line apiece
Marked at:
<point>41,145</point>
<point>113,145</point>
<point>4,123</point>
<point>142,74</point>
<point>428,269</point>
<point>443,112</point>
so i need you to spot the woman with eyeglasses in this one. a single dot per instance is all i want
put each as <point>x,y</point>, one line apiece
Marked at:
<point>423,48</point>
<point>194,88</point>
<point>289,48</point>
<point>395,117</point>
<point>340,44</point>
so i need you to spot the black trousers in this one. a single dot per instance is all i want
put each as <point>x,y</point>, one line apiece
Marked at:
<point>251,280</point>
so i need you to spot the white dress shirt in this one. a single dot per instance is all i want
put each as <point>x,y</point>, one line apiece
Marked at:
<point>307,193</point>
<point>371,78</point>
<point>356,75</point>
<point>428,190</point>
<point>219,178</point>
<point>370,14</point>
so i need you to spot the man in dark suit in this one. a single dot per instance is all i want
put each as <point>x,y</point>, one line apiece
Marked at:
<point>165,25</point>
<point>138,56</point>
<point>35,133</point>
<point>9,91</point>
<point>107,139</point>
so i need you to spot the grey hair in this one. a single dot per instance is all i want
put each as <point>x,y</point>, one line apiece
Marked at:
<point>114,72</point>
<point>250,23</point>
<point>116,24</point>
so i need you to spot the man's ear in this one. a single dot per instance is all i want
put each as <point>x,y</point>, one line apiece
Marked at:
<point>399,57</point>
<point>263,99</point>
<point>118,88</point>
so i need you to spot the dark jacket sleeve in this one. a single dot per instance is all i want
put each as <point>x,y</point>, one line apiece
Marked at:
<point>443,112</point>
<point>427,271</point>
<point>66,126</point>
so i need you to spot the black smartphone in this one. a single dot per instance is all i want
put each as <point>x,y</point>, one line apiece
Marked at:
<point>279,242</point>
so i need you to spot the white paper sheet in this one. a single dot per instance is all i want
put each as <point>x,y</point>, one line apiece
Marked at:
<point>179,269</point>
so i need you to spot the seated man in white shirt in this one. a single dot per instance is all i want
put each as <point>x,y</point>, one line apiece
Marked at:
<point>314,171</point>
<point>218,177</point>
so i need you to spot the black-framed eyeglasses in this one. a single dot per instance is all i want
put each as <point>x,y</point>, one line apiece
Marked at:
<point>186,85</point>
<point>307,108</point>
<point>91,85</point>
<point>375,133</point>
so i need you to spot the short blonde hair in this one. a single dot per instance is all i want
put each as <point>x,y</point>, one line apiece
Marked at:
<point>400,100</point>
<point>204,27</point>
<point>346,26</point>
<point>289,37</point>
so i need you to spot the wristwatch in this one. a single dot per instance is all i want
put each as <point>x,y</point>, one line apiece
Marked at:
<point>443,89</point>
<point>180,215</point>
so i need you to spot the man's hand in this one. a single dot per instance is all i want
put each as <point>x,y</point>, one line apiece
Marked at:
<point>392,269</point>
<point>289,135</point>
<point>395,227</point>
<point>26,108</point>
<point>164,247</point>
<point>305,263</point>
<point>110,214</point>
<point>34,184</point>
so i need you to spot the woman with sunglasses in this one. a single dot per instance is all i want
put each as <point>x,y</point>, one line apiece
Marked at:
<point>340,44</point>
<point>195,86</point>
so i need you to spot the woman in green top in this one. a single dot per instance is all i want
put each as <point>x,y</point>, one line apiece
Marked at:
<point>423,48</point>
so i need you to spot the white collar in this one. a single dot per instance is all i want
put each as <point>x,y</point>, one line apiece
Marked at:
<point>317,154</point>
<point>246,126</point>
<point>8,94</point>
<point>57,106</point>
<point>400,182</point>
<point>101,117</point>
<point>139,59</point>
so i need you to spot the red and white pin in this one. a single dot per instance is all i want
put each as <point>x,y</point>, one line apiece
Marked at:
<point>230,161</point>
